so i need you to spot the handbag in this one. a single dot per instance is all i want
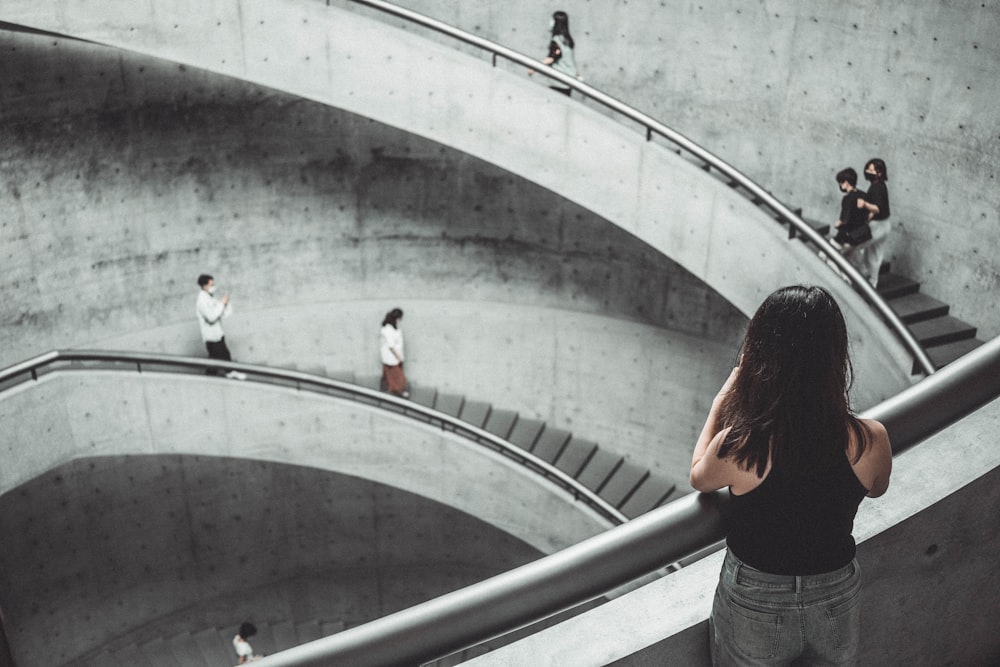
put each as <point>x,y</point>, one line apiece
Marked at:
<point>856,235</point>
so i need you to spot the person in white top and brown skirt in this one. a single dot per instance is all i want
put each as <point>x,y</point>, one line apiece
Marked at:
<point>391,351</point>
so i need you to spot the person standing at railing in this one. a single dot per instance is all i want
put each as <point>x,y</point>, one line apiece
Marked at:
<point>877,206</point>
<point>780,435</point>
<point>561,56</point>
<point>391,351</point>
<point>210,311</point>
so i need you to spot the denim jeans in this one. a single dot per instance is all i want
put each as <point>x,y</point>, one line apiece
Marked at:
<point>770,619</point>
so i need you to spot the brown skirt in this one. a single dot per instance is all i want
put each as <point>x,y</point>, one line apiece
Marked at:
<point>394,379</point>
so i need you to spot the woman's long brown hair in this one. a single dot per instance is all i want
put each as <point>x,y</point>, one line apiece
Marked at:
<point>789,403</point>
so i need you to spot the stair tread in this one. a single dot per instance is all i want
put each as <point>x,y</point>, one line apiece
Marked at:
<point>550,443</point>
<point>623,482</point>
<point>940,330</point>
<point>942,355</point>
<point>598,469</point>
<point>184,650</point>
<point>892,285</point>
<point>500,422</point>
<point>575,455</point>
<point>308,631</point>
<point>331,627</point>
<point>475,412</point>
<point>450,404</point>
<point>917,306</point>
<point>213,647</point>
<point>284,635</point>
<point>649,495</point>
<point>526,432</point>
<point>424,396</point>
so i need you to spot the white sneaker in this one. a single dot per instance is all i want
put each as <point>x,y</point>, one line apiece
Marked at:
<point>236,375</point>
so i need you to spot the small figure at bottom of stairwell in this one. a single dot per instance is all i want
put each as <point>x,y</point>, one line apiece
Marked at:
<point>391,351</point>
<point>244,652</point>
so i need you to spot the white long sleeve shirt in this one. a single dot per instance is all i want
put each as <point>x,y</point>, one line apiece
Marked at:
<point>210,313</point>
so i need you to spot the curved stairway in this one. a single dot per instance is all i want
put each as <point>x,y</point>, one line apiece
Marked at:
<point>944,337</point>
<point>631,489</point>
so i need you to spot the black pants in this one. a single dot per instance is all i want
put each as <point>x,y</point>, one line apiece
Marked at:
<point>217,350</point>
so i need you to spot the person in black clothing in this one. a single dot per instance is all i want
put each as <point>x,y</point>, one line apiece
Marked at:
<point>877,205</point>
<point>797,461</point>
<point>853,214</point>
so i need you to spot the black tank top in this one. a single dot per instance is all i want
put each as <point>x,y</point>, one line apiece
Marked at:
<point>797,524</point>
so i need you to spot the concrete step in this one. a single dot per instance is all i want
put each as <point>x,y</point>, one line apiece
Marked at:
<point>941,330</point>
<point>424,396</point>
<point>599,469</point>
<point>575,455</point>
<point>475,413</point>
<point>185,651</point>
<point>500,422</point>
<point>550,444</point>
<point>284,635</point>
<point>328,628</point>
<point>822,228</point>
<point>918,306</point>
<point>626,479</point>
<point>450,404</point>
<point>308,631</point>
<point>892,285</point>
<point>942,355</point>
<point>214,648</point>
<point>526,432</point>
<point>652,493</point>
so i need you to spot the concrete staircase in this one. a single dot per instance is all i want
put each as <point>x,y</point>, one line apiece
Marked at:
<point>211,647</point>
<point>630,488</point>
<point>945,338</point>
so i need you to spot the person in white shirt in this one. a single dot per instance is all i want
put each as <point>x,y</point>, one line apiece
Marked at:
<point>240,644</point>
<point>391,351</point>
<point>210,312</point>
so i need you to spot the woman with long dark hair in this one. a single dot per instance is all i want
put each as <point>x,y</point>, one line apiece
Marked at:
<point>391,351</point>
<point>781,435</point>
<point>561,47</point>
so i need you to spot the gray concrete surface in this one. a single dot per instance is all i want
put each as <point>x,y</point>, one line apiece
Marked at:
<point>928,554</point>
<point>792,91</point>
<point>173,501</point>
<point>113,550</point>
<point>699,222</point>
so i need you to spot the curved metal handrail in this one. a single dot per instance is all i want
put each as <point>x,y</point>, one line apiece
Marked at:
<point>759,195</point>
<point>585,570</point>
<point>58,359</point>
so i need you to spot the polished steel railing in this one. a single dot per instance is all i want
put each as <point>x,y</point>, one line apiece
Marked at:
<point>797,226</point>
<point>69,360</point>
<point>585,570</point>
<point>569,577</point>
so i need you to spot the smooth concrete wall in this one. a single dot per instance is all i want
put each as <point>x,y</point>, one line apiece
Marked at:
<point>640,391</point>
<point>107,551</point>
<point>133,499</point>
<point>927,549</point>
<point>130,176</point>
<point>790,92</point>
<point>310,50</point>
